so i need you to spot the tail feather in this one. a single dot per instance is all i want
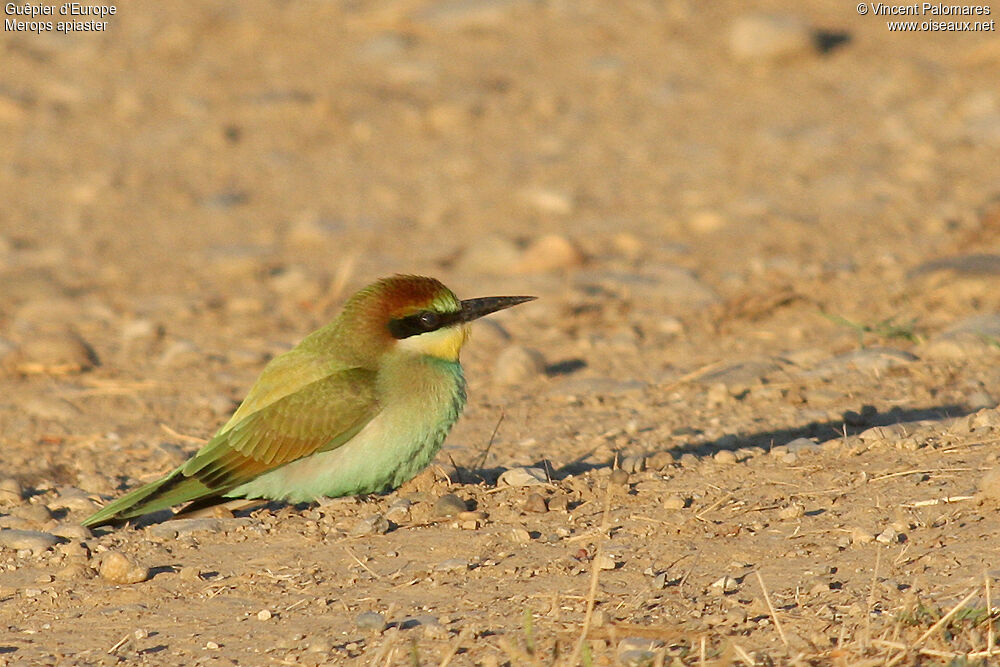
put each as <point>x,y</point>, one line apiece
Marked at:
<point>164,493</point>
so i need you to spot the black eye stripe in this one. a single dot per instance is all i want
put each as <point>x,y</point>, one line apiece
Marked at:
<point>422,322</point>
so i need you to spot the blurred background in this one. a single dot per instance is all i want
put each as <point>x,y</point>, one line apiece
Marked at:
<point>211,180</point>
<point>760,232</point>
<point>191,146</point>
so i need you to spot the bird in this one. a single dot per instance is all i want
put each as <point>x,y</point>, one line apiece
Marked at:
<point>359,406</point>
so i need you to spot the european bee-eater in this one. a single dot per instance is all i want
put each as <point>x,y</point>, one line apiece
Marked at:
<point>359,406</point>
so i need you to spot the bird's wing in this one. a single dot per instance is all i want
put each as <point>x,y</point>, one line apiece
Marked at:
<point>285,375</point>
<point>319,416</point>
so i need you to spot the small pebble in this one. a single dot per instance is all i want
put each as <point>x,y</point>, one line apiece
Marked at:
<point>117,568</point>
<point>989,484</point>
<point>517,477</point>
<point>633,464</point>
<point>373,525</point>
<point>74,550</point>
<point>736,615</point>
<point>449,505</point>
<point>637,652</point>
<point>535,503</point>
<point>370,620</point>
<point>605,562</point>
<point>769,38</point>
<point>13,523</point>
<point>435,630</point>
<point>212,646</point>
<point>718,394</point>
<point>549,253</point>
<point>725,456</point>
<point>176,527</point>
<point>319,646</point>
<point>706,222</point>
<point>559,502</point>
<point>32,540</point>
<point>802,445</point>
<point>11,492</point>
<point>264,615</point>
<point>792,511</point>
<point>452,564</point>
<point>674,502</point>
<point>725,584</point>
<point>399,511</point>
<point>56,354</point>
<point>890,536</point>
<point>861,536</point>
<point>618,477</point>
<point>72,531</point>
<point>37,514</point>
<point>74,571</point>
<point>887,536</point>
<point>548,200</point>
<point>73,498</point>
<point>517,364</point>
<point>888,433</point>
<point>520,535</point>
<point>984,419</point>
<point>490,254</point>
<point>189,573</point>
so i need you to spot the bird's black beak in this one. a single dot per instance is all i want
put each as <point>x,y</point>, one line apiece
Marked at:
<point>473,309</point>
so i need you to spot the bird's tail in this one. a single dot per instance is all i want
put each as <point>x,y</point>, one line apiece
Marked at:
<point>162,494</point>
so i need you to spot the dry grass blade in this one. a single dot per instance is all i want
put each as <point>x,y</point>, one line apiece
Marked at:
<point>871,601</point>
<point>904,650</point>
<point>337,285</point>
<point>595,575</point>
<point>944,619</point>
<point>717,504</point>
<point>359,562</point>
<point>489,445</point>
<point>743,655</point>
<point>180,436</point>
<point>693,375</point>
<point>453,649</point>
<point>118,644</point>
<point>989,616</point>
<point>903,473</point>
<point>516,654</point>
<point>938,501</point>
<point>770,607</point>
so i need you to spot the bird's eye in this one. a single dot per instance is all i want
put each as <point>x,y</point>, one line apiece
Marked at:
<point>429,320</point>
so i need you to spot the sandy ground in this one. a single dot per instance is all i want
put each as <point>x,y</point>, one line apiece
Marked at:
<point>764,356</point>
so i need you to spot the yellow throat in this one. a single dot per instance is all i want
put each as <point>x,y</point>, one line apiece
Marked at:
<point>443,343</point>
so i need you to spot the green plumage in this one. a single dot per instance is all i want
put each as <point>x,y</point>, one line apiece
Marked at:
<point>359,406</point>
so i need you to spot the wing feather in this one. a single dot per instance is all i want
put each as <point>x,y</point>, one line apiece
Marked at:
<point>320,416</point>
